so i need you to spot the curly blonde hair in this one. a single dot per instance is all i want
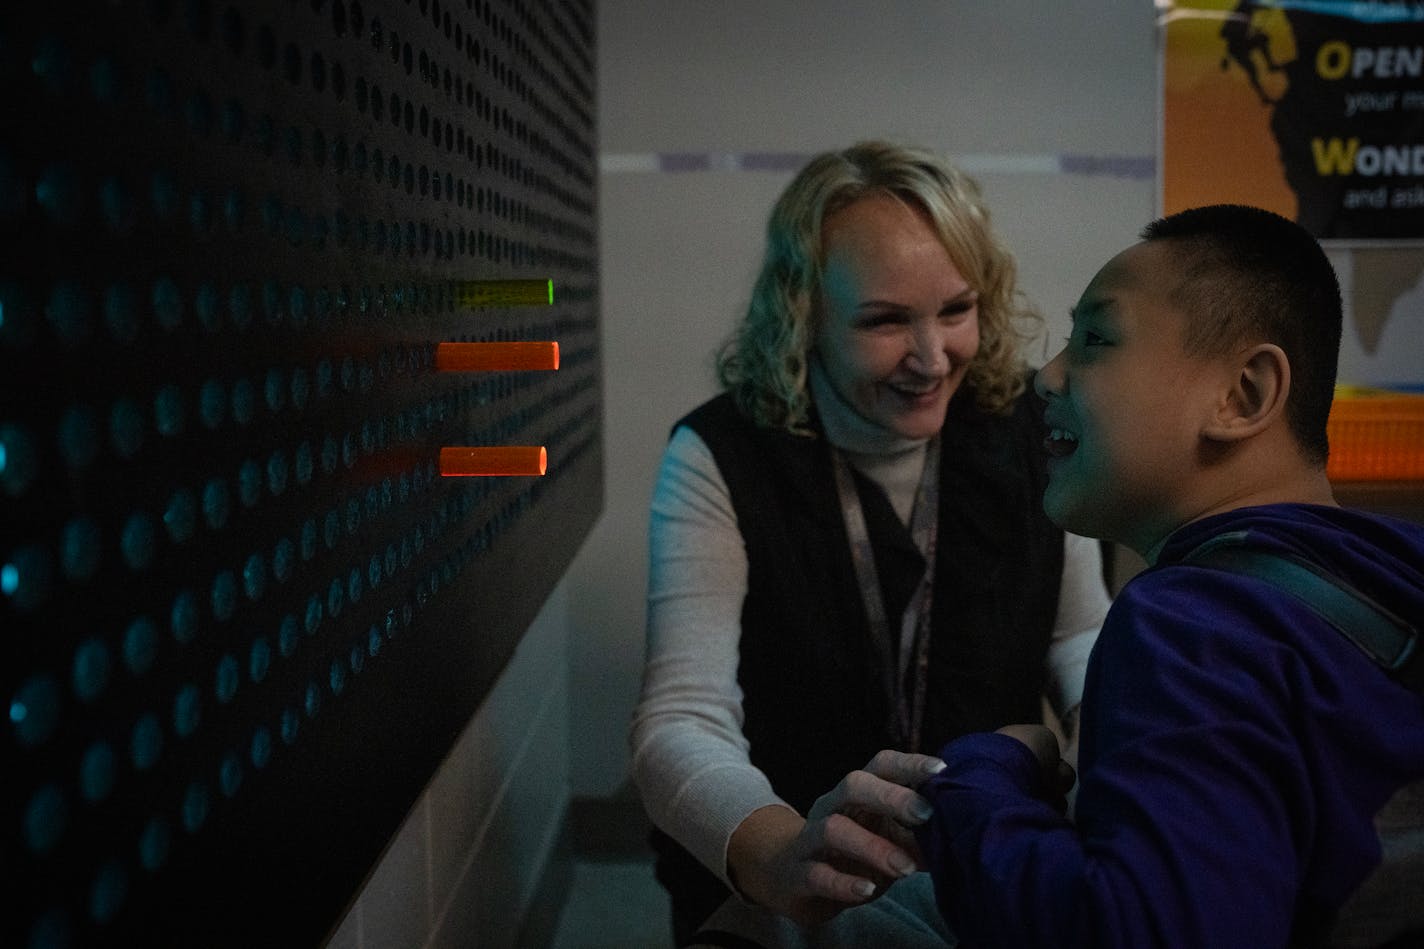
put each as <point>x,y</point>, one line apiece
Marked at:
<point>764,362</point>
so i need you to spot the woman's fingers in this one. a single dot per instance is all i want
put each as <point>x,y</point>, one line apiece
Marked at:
<point>839,887</point>
<point>903,768</point>
<point>856,840</point>
<point>865,794</point>
<point>847,843</point>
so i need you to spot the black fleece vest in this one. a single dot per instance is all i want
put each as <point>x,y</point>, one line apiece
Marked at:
<point>814,705</point>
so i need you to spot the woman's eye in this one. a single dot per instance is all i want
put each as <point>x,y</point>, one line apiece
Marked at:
<point>876,320</point>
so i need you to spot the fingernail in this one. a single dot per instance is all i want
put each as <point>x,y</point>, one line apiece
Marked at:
<point>935,766</point>
<point>921,809</point>
<point>864,888</point>
<point>902,864</point>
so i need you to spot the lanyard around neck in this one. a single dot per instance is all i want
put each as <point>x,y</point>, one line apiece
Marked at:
<point>907,658</point>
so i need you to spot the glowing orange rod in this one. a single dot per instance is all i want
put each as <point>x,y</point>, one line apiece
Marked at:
<point>476,293</point>
<point>493,461</point>
<point>495,357</point>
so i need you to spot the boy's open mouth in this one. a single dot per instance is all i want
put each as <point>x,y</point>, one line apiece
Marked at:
<point>1060,443</point>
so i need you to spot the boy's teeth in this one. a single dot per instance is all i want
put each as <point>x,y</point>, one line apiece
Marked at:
<point>1061,434</point>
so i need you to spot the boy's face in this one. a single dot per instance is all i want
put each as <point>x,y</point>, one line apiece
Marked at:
<point>1126,405</point>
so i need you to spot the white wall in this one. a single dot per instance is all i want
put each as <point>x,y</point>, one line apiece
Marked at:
<point>1005,85</point>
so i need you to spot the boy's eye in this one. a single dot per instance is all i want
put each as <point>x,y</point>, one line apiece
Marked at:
<point>1083,336</point>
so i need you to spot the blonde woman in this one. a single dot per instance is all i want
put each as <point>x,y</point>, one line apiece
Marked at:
<point>850,560</point>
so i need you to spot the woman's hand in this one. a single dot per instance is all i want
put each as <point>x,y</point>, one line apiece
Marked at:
<point>855,842</point>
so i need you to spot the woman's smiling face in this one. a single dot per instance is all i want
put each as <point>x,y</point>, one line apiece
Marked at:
<point>897,324</point>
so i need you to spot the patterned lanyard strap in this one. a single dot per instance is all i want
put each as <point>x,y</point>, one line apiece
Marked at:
<point>909,658</point>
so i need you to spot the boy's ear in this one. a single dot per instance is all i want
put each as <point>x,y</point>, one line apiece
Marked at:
<point>1255,397</point>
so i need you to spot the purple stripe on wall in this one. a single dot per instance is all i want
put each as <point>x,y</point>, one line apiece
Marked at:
<point>1112,166</point>
<point>1139,167</point>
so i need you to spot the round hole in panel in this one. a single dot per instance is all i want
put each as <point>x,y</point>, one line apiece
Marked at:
<point>69,312</point>
<point>260,752</point>
<point>259,660</point>
<point>35,710</point>
<point>254,577</point>
<point>90,675</point>
<point>290,723</point>
<point>180,515</point>
<point>187,710</point>
<point>97,772</point>
<point>140,645</point>
<point>170,411</point>
<point>308,540</point>
<point>46,818</point>
<point>19,463</point>
<point>224,595</point>
<point>137,541</point>
<point>249,483</point>
<point>277,473</point>
<point>153,843</point>
<point>313,615</point>
<point>227,679</point>
<point>195,807</point>
<point>288,636</point>
<point>79,549</point>
<point>283,560</point>
<point>146,742</point>
<point>303,464</point>
<point>230,775</point>
<point>121,313</point>
<point>217,505</point>
<point>183,617</point>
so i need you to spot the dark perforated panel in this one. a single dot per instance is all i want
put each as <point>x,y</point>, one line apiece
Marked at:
<point>243,615</point>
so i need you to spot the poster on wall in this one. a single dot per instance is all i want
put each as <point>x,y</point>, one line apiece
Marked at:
<point>1313,109</point>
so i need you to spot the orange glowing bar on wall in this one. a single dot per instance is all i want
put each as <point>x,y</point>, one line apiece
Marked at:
<point>476,293</point>
<point>493,462</point>
<point>496,357</point>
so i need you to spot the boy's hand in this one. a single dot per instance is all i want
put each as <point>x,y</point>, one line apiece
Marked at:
<point>1056,776</point>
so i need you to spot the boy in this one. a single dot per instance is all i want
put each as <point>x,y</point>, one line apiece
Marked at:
<point>1250,777</point>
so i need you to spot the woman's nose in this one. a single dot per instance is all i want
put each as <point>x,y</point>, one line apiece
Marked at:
<point>928,352</point>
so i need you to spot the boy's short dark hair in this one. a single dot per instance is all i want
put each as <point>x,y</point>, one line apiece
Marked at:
<point>1252,275</point>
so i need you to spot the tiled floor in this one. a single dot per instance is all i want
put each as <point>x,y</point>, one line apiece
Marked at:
<point>614,905</point>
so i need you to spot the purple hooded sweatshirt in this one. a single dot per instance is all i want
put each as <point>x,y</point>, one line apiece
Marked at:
<point>1248,776</point>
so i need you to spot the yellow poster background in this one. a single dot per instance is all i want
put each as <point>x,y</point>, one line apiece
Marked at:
<point>1217,145</point>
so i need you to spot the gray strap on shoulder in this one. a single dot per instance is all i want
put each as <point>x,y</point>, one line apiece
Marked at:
<point>1389,640</point>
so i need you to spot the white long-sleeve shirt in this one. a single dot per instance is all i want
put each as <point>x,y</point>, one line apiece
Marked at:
<point>689,755</point>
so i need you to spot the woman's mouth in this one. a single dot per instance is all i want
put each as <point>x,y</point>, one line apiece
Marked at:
<point>916,391</point>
